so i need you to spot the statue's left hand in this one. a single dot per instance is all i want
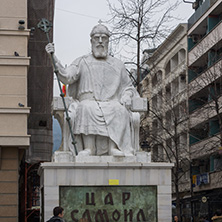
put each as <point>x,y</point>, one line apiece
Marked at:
<point>126,101</point>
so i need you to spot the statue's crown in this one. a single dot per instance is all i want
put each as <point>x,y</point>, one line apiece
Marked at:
<point>100,29</point>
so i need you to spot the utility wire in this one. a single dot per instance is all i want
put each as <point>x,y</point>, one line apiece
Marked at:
<point>76,13</point>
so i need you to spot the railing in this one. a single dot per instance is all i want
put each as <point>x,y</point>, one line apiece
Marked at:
<point>205,44</point>
<point>205,146</point>
<point>199,12</point>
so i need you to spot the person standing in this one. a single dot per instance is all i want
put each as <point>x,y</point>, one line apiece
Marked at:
<point>58,213</point>
<point>175,219</point>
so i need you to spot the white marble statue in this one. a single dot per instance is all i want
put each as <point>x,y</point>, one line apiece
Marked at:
<point>102,92</point>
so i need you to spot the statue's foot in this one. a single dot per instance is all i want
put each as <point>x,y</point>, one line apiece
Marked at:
<point>116,152</point>
<point>86,152</point>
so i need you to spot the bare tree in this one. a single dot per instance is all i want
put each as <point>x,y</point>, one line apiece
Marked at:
<point>168,136</point>
<point>141,22</point>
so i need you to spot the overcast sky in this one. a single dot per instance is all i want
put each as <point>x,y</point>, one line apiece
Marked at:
<point>74,20</point>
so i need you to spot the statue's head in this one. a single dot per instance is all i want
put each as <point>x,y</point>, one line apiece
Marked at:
<point>100,41</point>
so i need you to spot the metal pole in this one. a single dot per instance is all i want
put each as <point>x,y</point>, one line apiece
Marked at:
<point>191,191</point>
<point>45,26</point>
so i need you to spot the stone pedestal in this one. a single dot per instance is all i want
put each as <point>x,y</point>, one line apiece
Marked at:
<point>101,172</point>
<point>67,157</point>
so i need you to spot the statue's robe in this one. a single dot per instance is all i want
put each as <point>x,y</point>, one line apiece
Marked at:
<point>99,85</point>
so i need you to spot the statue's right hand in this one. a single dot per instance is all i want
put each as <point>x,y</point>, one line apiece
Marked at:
<point>50,49</point>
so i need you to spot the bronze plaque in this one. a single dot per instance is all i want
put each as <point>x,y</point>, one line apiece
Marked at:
<point>109,203</point>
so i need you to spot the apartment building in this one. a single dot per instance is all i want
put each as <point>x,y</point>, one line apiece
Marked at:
<point>205,106</point>
<point>198,92</point>
<point>14,139</point>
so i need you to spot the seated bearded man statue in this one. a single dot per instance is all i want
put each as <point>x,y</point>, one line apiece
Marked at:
<point>102,91</point>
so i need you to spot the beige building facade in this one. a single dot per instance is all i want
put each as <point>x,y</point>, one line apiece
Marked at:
<point>165,86</point>
<point>14,112</point>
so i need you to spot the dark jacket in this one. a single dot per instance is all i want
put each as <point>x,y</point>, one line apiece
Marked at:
<point>217,219</point>
<point>55,219</point>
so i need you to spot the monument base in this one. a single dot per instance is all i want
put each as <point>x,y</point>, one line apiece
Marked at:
<point>67,157</point>
<point>62,157</point>
<point>122,180</point>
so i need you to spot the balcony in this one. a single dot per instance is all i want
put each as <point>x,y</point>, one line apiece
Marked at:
<point>205,44</point>
<point>199,12</point>
<point>205,78</point>
<point>205,147</point>
<point>204,113</point>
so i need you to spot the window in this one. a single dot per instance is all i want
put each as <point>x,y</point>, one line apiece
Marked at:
<point>174,62</point>
<point>168,68</point>
<point>182,55</point>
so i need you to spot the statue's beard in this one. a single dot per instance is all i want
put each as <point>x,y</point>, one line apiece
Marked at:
<point>99,51</point>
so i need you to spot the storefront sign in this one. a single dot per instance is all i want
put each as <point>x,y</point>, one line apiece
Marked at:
<point>109,203</point>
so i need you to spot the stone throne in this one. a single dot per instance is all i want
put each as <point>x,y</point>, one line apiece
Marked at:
<point>65,155</point>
